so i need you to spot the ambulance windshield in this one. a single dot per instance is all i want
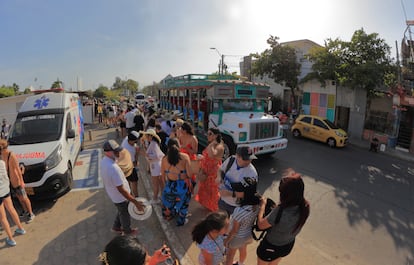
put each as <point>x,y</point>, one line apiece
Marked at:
<point>36,129</point>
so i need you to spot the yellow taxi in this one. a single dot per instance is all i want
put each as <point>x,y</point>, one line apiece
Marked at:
<point>319,129</point>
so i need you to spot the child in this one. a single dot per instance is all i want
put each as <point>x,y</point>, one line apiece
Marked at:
<point>241,223</point>
<point>209,236</point>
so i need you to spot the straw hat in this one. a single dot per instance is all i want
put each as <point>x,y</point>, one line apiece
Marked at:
<point>177,113</point>
<point>179,122</point>
<point>153,133</point>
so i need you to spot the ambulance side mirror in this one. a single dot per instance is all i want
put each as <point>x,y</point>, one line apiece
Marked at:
<point>70,134</point>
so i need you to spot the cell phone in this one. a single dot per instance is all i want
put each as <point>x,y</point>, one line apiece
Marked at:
<point>168,261</point>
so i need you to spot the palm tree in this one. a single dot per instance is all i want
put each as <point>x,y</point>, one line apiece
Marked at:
<point>57,84</point>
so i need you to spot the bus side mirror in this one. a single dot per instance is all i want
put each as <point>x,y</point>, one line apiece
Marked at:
<point>70,134</point>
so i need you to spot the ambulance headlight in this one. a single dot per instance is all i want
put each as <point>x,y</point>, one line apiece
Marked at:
<point>54,158</point>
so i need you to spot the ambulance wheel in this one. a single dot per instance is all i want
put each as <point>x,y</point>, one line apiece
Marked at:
<point>229,147</point>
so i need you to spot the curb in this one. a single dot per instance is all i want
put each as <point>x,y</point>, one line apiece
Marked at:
<point>173,240</point>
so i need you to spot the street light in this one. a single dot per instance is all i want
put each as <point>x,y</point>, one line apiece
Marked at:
<point>221,65</point>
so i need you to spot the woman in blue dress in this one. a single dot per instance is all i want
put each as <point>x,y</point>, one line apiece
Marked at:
<point>175,168</point>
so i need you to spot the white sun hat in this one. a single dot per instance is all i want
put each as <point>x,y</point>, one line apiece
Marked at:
<point>137,214</point>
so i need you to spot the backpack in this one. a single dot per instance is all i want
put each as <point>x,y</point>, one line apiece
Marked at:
<point>270,204</point>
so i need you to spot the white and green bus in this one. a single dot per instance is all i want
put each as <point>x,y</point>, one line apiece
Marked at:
<point>235,107</point>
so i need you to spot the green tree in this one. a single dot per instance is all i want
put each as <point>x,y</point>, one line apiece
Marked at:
<point>15,88</point>
<point>279,62</point>
<point>118,84</point>
<point>6,91</point>
<point>27,91</point>
<point>132,86</point>
<point>57,84</point>
<point>122,85</point>
<point>100,91</point>
<point>364,62</point>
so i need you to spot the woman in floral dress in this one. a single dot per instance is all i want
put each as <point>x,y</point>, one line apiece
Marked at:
<point>208,194</point>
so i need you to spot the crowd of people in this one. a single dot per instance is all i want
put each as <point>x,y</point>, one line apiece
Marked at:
<point>179,173</point>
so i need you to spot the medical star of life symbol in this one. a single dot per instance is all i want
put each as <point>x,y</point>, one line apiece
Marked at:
<point>42,102</point>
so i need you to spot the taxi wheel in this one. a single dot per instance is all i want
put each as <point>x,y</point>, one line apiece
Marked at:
<point>331,142</point>
<point>296,133</point>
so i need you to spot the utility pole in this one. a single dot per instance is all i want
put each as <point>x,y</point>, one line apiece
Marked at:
<point>221,65</point>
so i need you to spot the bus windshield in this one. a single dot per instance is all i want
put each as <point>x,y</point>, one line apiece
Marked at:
<point>242,105</point>
<point>36,129</point>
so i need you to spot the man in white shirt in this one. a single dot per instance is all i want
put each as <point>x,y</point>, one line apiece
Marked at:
<point>241,172</point>
<point>129,119</point>
<point>117,188</point>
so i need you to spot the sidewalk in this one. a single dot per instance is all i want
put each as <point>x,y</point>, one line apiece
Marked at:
<point>394,152</point>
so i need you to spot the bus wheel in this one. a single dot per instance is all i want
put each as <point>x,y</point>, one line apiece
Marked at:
<point>229,147</point>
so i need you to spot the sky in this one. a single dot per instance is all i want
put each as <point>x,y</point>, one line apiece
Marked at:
<point>87,43</point>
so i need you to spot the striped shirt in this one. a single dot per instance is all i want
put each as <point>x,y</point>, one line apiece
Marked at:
<point>245,216</point>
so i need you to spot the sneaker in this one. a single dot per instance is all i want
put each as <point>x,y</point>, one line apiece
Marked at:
<point>117,230</point>
<point>23,214</point>
<point>30,217</point>
<point>20,231</point>
<point>133,232</point>
<point>181,224</point>
<point>10,242</point>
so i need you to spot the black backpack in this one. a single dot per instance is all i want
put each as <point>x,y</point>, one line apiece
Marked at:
<point>231,161</point>
<point>270,204</point>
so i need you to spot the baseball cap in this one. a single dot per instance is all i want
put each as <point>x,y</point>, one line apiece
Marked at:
<point>133,136</point>
<point>112,145</point>
<point>245,152</point>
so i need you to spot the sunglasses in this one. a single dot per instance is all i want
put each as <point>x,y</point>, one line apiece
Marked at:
<point>210,133</point>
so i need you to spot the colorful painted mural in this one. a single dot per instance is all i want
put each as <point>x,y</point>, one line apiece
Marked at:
<point>320,104</point>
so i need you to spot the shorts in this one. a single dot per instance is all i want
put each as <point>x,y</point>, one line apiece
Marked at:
<point>134,176</point>
<point>4,197</point>
<point>122,124</point>
<point>222,205</point>
<point>19,191</point>
<point>155,168</point>
<point>268,252</point>
<point>237,242</point>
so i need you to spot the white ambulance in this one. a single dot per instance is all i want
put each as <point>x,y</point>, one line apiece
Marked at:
<point>47,137</point>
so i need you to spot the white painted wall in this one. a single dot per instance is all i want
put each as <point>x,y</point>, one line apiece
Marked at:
<point>9,107</point>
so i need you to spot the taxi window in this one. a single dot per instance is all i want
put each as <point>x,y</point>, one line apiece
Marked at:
<point>306,120</point>
<point>319,123</point>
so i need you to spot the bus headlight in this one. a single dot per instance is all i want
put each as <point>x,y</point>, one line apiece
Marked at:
<point>242,136</point>
<point>54,158</point>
